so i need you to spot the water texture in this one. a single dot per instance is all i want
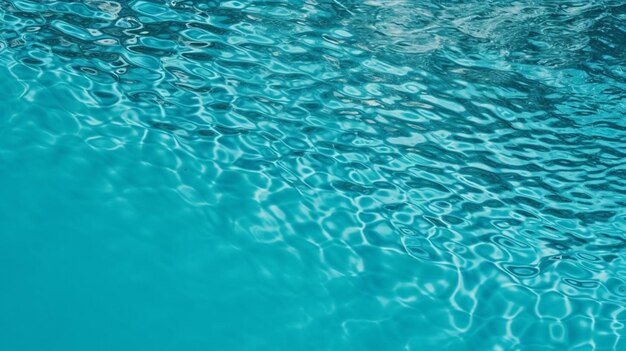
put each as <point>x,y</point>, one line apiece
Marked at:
<point>312,175</point>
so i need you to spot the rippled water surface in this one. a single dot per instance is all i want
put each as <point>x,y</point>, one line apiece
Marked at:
<point>312,175</point>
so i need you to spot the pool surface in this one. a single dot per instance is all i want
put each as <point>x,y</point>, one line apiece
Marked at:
<point>312,175</point>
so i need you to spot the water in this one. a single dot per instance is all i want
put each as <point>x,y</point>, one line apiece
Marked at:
<point>312,175</point>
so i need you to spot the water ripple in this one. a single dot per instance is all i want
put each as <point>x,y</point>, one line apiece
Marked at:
<point>446,175</point>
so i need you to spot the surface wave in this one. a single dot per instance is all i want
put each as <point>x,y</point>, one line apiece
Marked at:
<point>446,175</point>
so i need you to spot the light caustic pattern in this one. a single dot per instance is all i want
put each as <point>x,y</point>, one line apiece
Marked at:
<point>317,174</point>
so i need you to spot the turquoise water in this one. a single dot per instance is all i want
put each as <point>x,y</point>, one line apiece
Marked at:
<point>312,175</point>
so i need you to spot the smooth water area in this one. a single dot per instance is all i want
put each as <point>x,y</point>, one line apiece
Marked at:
<point>312,175</point>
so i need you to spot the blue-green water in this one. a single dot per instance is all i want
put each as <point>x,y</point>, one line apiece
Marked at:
<point>312,175</point>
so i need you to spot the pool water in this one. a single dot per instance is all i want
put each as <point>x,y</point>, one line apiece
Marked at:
<point>312,175</point>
